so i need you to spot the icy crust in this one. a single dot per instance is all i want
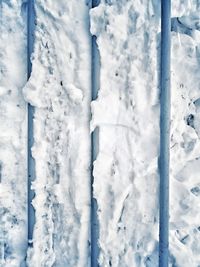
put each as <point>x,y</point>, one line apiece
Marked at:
<point>59,89</point>
<point>185,149</point>
<point>13,218</point>
<point>127,114</point>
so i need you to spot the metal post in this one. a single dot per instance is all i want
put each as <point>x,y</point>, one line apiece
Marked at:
<point>164,132</point>
<point>31,162</point>
<point>95,76</point>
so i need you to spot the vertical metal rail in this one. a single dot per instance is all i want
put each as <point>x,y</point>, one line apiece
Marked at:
<point>95,82</point>
<point>31,163</point>
<point>164,132</point>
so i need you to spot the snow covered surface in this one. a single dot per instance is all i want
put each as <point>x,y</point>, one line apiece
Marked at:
<point>126,112</point>
<point>59,88</point>
<point>126,172</point>
<point>185,140</point>
<point>184,7</point>
<point>13,128</point>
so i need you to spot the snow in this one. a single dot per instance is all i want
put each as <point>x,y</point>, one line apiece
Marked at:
<point>185,142</point>
<point>184,7</point>
<point>124,118</point>
<point>60,90</point>
<point>126,172</point>
<point>13,212</point>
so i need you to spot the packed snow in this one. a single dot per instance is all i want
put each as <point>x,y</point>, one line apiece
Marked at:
<point>125,114</point>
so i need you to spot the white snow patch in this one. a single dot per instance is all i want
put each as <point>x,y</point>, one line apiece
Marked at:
<point>127,113</point>
<point>185,142</point>
<point>13,212</point>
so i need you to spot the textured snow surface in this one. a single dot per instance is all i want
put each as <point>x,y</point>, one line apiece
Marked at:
<point>184,7</point>
<point>126,114</point>
<point>59,89</point>
<point>13,215</point>
<point>185,140</point>
<point>126,172</point>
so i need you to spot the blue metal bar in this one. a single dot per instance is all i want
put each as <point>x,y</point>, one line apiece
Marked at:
<point>31,162</point>
<point>95,75</point>
<point>164,132</point>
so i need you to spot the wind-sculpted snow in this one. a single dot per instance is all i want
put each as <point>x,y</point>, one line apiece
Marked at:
<point>127,113</point>
<point>13,129</point>
<point>185,139</point>
<point>59,89</point>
